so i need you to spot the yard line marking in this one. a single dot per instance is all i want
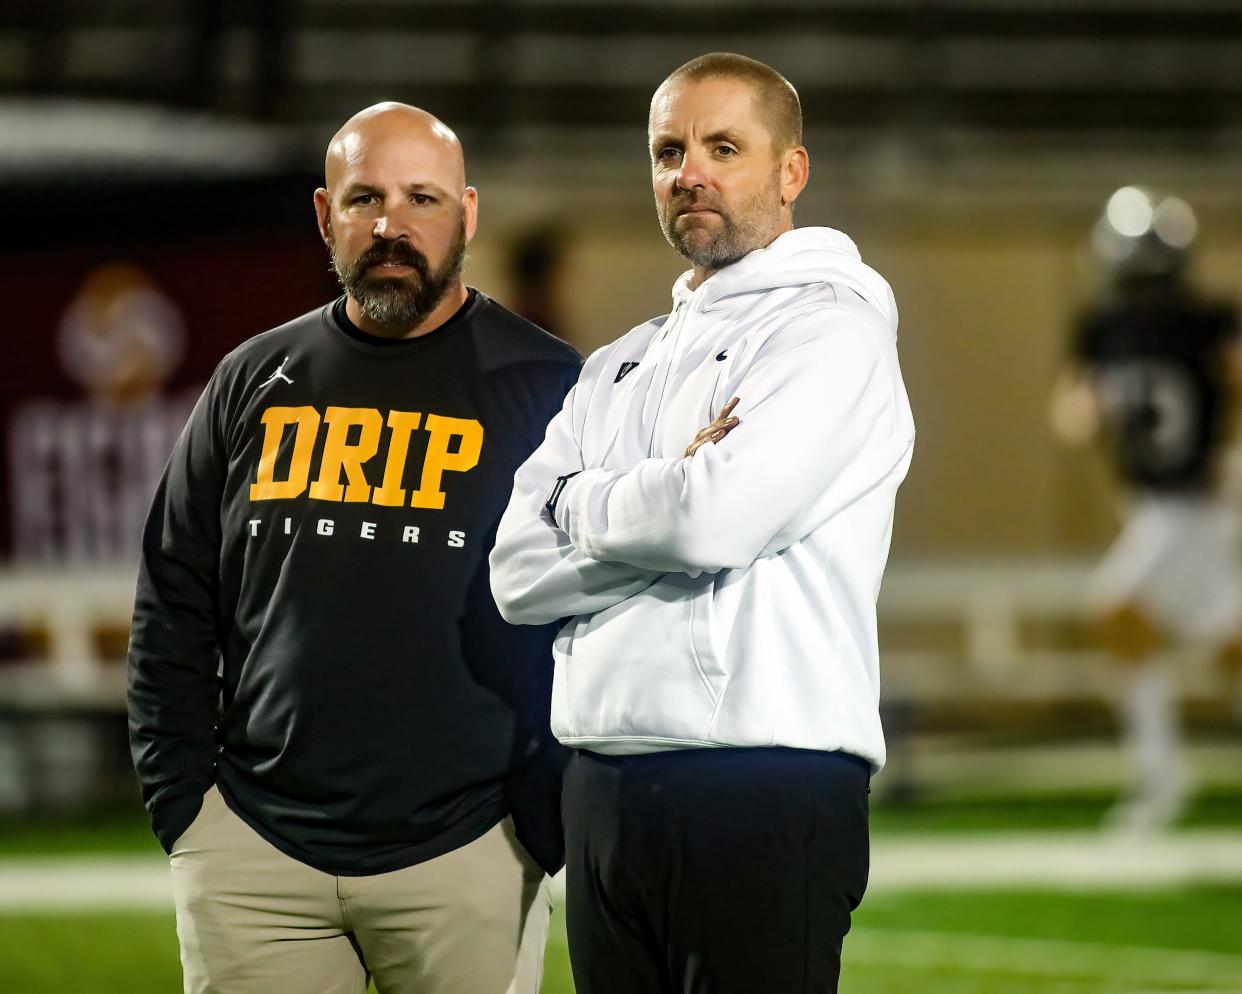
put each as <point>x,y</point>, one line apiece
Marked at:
<point>1065,861</point>
<point>85,882</point>
<point>971,952</point>
<point>1056,860</point>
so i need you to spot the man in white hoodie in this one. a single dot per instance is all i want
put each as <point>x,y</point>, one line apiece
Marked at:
<point>710,515</point>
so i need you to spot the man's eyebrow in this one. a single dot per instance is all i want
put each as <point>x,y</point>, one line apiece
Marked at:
<point>425,187</point>
<point>358,189</point>
<point>355,189</point>
<point>665,140</point>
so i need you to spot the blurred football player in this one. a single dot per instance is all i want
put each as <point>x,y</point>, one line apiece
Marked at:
<point>1152,377</point>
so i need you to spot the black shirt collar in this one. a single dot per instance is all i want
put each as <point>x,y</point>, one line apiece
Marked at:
<point>340,318</point>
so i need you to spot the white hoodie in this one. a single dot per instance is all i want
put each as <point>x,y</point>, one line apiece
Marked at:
<point>726,599</point>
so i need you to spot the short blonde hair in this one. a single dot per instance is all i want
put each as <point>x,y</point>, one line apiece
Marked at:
<point>776,100</point>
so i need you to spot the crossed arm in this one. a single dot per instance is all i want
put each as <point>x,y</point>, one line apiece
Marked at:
<point>825,422</point>
<point>537,574</point>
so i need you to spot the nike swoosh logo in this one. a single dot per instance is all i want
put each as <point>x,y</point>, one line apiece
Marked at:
<point>724,354</point>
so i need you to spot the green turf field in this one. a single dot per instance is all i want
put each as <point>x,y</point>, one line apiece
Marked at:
<point>125,830</point>
<point>915,943</point>
<point>985,941</point>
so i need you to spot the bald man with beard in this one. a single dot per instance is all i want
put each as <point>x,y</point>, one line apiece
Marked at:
<point>342,746</point>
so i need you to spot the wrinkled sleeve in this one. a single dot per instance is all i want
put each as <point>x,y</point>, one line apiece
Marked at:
<point>173,682</point>
<point>537,575</point>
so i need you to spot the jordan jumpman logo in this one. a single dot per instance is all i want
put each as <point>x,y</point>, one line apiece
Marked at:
<point>278,375</point>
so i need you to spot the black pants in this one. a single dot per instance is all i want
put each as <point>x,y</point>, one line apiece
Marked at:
<point>713,871</point>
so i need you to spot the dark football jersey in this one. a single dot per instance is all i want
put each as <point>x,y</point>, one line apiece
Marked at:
<point>1158,368</point>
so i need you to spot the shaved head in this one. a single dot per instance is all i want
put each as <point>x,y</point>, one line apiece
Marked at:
<point>396,215</point>
<point>412,127</point>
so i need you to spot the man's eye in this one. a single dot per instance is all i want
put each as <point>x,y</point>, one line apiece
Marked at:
<point>726,150</point>
<point>363,198</point>
<point>422,198</point>
<point>667,153</point>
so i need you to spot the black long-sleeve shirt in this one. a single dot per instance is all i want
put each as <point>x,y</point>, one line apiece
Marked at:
<point>313,628</point>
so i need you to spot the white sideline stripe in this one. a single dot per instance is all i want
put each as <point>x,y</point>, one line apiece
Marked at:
<point>85,883</point>
<point>1059,861</point>
<point>1062,860</point>
<point>918,950</point>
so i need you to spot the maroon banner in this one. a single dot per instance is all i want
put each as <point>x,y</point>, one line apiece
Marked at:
<point>108,348</point>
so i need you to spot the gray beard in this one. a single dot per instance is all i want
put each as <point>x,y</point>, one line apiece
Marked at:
<point>727,247</point>
<point>398,303</point>
<point>741,232</point>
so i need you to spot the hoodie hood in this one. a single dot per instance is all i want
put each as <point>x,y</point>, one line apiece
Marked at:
<point>799,257</point>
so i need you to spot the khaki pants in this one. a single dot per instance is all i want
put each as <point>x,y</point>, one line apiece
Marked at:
<point>252,920</point>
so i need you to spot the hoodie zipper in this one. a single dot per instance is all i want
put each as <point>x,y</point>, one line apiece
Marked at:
<point>680,311</point>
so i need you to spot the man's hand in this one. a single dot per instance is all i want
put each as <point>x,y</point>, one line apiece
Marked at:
<point>717,430</point>
<point>1074,409</point>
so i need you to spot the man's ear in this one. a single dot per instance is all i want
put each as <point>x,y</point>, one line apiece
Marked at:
<point>795,171</point>
<point>470,208</point>
<point>323,215</point>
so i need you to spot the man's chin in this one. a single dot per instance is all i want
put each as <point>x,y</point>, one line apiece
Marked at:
<point>394,318</point>
<point>390,284</point>
<point>699,251</point>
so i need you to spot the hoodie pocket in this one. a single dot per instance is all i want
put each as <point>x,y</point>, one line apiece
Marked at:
<point>644,669</point>
<point>708,660</point>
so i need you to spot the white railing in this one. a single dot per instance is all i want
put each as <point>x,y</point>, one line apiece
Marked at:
<point>987,600</point>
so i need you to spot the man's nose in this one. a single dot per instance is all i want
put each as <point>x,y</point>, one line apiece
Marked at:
<point>693,173</point>
<point>389,228</point>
